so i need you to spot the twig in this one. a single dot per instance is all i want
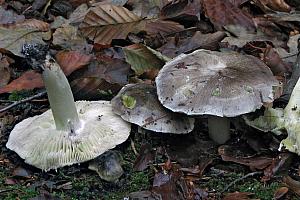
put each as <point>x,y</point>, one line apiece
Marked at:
<point>240,179</point>
<point>154,120</point>
<point>133,147</point>
<point>292,55</point>
<point>22,101</point>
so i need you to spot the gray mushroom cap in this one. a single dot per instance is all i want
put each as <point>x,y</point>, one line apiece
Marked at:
<point>147,111</point>
<point>36,139</point>
<point>215,83</point>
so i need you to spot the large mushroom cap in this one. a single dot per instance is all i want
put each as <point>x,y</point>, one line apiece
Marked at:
<point>147,112</point>
<point>37,141</point>
<point>215,83</point>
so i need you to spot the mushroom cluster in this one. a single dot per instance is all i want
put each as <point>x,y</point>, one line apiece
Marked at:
<point>215,84</point>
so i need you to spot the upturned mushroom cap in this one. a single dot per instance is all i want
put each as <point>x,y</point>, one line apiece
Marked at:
<point>37,141</point>
<point>215,83</point>
<point>146,111</point>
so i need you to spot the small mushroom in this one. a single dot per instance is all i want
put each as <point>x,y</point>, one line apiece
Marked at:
<point>108,166</point>
<point>68,133</point>
<point>138,104</point>
<point>216,84</point>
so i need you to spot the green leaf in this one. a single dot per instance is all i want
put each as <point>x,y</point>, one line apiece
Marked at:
<point>142,59</point>
<point>128,101</point>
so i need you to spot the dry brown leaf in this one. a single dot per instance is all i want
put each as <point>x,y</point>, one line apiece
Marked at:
<point>27,81</point>
<point>158,26</point>
<point>4,71</point>
<point>68,38</point>
<point>30,24</point>
<point>276,5</point>
<point>101,78</point>
<point>208,41</point>
<point>292,184</point>
<point>189,10</point>
<point>259,162</point>
<point>10,17</point>
<point>238,196</point>
<point>223,13</point>
<point>104,23</point>
<point>13,38</point>
<point>273,60</point>
<point>70,61</point>
<point>280,193</point>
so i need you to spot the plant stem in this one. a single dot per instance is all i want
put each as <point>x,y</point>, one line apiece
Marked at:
<point>219,129</point>
<point>60,97</point>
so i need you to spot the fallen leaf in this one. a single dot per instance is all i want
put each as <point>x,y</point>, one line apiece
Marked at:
<point>30,24</point>
<point>102,78</point>
<point>69,38</point>
<point>106,22</point>
<point>147,8</point>
<point>238,195</point>
<point>292,184</point>
<point>27,81</point>
<point>170,184</point>
<point>255,163</point>
<point>13,39</point>
<point>70,61</point>
<point>276,5</point>
<point>10,17</point>
<point>77,16</point>
<point>183,10</point>
<point>273,60</point>
<point>208,41</point>
<point>282,161</point>
<point>4,71</point>
<point>280,193</point>
<point>145,157</point>
<point>142,59</point>
<point>214,10</point>
<point>144,195</point>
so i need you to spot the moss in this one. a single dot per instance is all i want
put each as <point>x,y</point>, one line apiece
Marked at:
<point>260,190</point>
<point>19,95</point>
<point>138,181</point>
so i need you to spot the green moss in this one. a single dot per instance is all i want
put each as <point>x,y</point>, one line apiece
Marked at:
<point>18,192</point>
<point>19,95</point>
<point>138,181</point>
<point>260,190</point>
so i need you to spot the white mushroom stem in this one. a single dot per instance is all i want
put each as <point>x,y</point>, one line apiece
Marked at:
<point>219,129</point>
<point>294,102</point>
<point>60,97</point>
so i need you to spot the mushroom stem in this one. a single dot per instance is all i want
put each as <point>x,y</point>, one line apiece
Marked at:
<point>60,97</point>
<point>218,129</point>
<point>294,102</point>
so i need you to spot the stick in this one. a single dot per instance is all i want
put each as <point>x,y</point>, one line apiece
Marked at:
<point>240,179</point>
<point>133,147</point>
<point>23,101</point>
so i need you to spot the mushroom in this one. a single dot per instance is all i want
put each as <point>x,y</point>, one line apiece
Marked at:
<point>280,121</point>
<point>138,104</point>
<point>108,166</point>
<point>70,132</point>
<point>217,84</point>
